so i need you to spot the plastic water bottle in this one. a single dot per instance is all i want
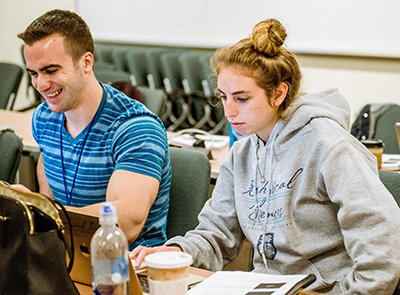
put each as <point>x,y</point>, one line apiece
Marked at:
<point>109,255</point>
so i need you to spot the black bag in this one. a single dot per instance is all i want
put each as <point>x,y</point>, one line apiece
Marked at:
<point>32,245</point>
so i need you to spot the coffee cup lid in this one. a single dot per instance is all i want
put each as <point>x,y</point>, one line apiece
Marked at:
<point>168,259</point>
<point>371,143</point>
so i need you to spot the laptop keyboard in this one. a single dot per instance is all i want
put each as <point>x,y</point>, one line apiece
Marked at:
<point>144,283</point>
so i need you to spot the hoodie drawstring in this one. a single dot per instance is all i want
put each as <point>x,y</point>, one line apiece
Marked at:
<point>268,175</point>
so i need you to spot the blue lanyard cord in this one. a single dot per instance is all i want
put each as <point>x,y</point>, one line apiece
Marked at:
<point>69,194</point>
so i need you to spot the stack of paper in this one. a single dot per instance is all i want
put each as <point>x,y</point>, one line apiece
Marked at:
<point>198,138</point>
<point>249,283</point>
<point>391,161</point>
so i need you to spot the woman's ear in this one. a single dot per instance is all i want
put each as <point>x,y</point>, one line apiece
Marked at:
<point>280,94</point>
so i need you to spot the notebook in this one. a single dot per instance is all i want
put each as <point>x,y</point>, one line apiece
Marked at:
<point>250,283</point>
<point>83,228</point>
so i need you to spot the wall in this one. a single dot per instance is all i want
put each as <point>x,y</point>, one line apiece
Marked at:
<point>362,78</point>
<point>313,25</point>
<point>15,16</point>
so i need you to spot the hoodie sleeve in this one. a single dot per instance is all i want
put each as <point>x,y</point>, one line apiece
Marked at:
<point>218,238</point>
<point>368,216</point>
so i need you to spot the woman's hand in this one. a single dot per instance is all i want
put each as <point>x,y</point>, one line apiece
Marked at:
<point>140,252</point>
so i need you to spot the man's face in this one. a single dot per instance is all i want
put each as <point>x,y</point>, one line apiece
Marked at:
<point>54,74</point>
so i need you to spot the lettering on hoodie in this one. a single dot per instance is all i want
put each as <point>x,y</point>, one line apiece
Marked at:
<point>258,209</point>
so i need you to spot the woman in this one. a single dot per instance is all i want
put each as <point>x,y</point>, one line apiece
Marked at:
<point>300,188</point>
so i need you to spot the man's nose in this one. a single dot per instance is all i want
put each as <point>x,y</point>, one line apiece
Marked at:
<point>41,83</point>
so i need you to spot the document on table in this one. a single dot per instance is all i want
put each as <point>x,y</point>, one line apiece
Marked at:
<point>391,161</point>
<point>208,141</point>
<point>249,283</point>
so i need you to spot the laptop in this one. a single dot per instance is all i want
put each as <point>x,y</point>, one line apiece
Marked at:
<point>83,228</point>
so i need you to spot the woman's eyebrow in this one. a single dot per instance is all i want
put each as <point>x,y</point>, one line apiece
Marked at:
<point>234,93</point>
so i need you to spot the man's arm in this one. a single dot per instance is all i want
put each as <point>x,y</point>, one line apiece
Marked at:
<point>44,187</point>
<point>132,194</point>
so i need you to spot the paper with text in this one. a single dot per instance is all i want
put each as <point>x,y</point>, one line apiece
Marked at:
<point>249,283</point>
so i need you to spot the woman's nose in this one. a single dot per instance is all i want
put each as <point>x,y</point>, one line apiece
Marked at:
<point>230,108</point>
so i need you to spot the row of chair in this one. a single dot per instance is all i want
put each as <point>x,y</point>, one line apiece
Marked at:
<point>184,75</point>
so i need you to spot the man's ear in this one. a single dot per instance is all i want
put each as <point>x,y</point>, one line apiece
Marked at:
<point>280,94</point>
<point>88,61</point>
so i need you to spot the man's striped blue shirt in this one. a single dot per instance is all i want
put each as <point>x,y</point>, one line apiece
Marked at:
<point>125,135</point>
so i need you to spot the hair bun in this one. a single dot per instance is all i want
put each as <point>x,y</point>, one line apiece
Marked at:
<point>268,37</point>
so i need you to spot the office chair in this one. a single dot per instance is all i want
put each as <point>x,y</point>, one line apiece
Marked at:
<point>10,79</point>
<point>209,81</point>
<point>154,76</point>
<point>391,181</point>
<point>103,65</point>
<point>154,99</point>
<point>118,57</point>
<point>103,52</point>
<point>109,76</point>
<point>192,81</point>
<point>10,154</point>
<point>377,121</point>
<point>385,130</point>
<point>137,67</point>
<point>172,81</point>
<point>189,189</point>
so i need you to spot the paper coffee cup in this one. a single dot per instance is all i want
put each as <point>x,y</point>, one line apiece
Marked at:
<point>168,272</point>
<point>375,146</point>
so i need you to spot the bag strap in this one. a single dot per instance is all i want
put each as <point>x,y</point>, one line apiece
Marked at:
<point>40,201</point>
<point>70,248</point>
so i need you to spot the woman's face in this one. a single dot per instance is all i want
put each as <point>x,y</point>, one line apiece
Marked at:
<point>246,105</point>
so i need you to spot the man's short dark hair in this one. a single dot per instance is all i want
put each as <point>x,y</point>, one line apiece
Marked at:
<point>78,39</point>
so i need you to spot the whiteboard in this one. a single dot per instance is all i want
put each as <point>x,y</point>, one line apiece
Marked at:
<point>354,27</point>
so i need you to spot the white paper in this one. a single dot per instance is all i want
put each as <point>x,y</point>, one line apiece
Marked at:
<point>242,283</point>
<point>210,141</point>
<point>391,161</point>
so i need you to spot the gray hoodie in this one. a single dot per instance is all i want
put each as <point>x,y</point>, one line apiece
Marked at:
<point>322,208</point>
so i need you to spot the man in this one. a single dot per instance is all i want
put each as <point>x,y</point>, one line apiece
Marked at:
<point>96,143</point>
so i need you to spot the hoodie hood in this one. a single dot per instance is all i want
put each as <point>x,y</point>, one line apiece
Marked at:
<point>329,104</point>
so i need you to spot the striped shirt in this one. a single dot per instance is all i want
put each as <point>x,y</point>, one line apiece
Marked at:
<point>124,135</point>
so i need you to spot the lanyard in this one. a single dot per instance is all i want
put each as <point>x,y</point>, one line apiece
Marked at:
<point>69,194</point>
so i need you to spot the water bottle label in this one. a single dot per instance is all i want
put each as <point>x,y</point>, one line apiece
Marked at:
<point>120,269</point>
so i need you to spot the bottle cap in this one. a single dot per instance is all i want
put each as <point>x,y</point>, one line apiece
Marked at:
<point>108,213</point>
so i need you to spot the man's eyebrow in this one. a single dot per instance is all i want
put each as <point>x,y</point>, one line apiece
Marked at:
<point>45,68</point>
